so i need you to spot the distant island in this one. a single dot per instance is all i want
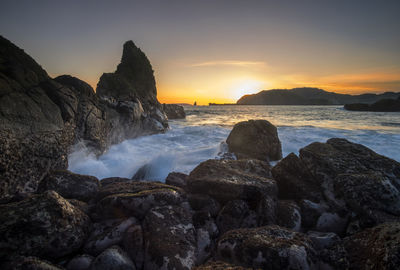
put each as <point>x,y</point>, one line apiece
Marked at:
<point>310,96</point>
<point>383,105</point>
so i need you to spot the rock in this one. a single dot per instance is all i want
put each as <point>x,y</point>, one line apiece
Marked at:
<point>218,265</point>
<point>203,220</point>
<point>83,206</point>
<point>112,258</point>
<point>266,211</point>
<point>294,181</point>
<point>137,204</point>
<point>70,185</point>
<point>234,215</point>
<point>113,180</point>
<point>131,97</point>
<point>288,215</point>
<point>323,240</point>
<point>133,243</point>
<point>206,232</point>
<point>375,248</point>
<point>255,139</point>
<point>371,195</point>
<point>227,180</point>
<point>177,179</point>
<point>44,225</point>
<point>80,262</point>
<point>310,213</point>
<point>34,138</point>
<point>106,234</point>
<point>331,222</point>
<point>202,202</point>
<point>41,118</point>
<point>118,186</point>
<point>170,240</point>
<point>174,111</point>
<point>270,247</point>
<point>29,263</point>
<point>90,116</point>
<point>383,105</point>
<point>356,180</point>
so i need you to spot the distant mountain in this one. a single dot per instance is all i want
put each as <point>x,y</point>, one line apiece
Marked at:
<point>310,96</point>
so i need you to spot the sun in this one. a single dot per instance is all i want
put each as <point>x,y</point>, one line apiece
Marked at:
<point>245,87</point>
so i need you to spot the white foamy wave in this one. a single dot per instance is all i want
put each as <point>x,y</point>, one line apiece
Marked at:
<point>199,138</point>
<point>180,149</point>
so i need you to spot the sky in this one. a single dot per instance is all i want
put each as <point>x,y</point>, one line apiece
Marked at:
<point>217,50</point>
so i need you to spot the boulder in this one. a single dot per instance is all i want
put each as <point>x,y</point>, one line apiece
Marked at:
<point>375,248</point>
<point>227,180</point>
<point>174,111</point>
<point>294,180</point>
<point>234,215</point>
<point>370,195</point>
<point>70,185</point>
<point>44,225</point>
<point>203,202</point>
<point>356,180</point>
<point>270,247</point>
<point>112,258</point>
<point>170,239</point>
<point>106,234</point>
<point>80,262</point>
<point>177,179</point>
<point>255,139</point>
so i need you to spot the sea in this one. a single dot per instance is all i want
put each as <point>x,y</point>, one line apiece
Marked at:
<point>201,136</point>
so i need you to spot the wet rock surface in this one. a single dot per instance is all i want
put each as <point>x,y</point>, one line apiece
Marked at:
<point>227,180</point>
<point>70,185</point>
<point>42,225</point>
<point>170,241</point>
<point>255,139</point>
<point>270,247</point>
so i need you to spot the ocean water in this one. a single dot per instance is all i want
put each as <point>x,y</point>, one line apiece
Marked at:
<point>202,136</point>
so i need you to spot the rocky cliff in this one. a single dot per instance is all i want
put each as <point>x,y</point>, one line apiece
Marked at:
<point>41,117</point>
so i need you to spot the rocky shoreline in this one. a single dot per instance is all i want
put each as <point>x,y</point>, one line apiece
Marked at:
<point>336,205</point>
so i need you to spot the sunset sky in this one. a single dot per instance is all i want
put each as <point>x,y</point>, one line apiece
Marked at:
<point>217,51</point>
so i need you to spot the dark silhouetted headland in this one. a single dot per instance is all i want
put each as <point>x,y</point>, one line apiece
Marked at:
<point>309,96</point>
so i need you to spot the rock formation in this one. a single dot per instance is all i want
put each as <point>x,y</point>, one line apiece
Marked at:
<point>383,105</point>
<point>130,96</point>
<point>41,117</point>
